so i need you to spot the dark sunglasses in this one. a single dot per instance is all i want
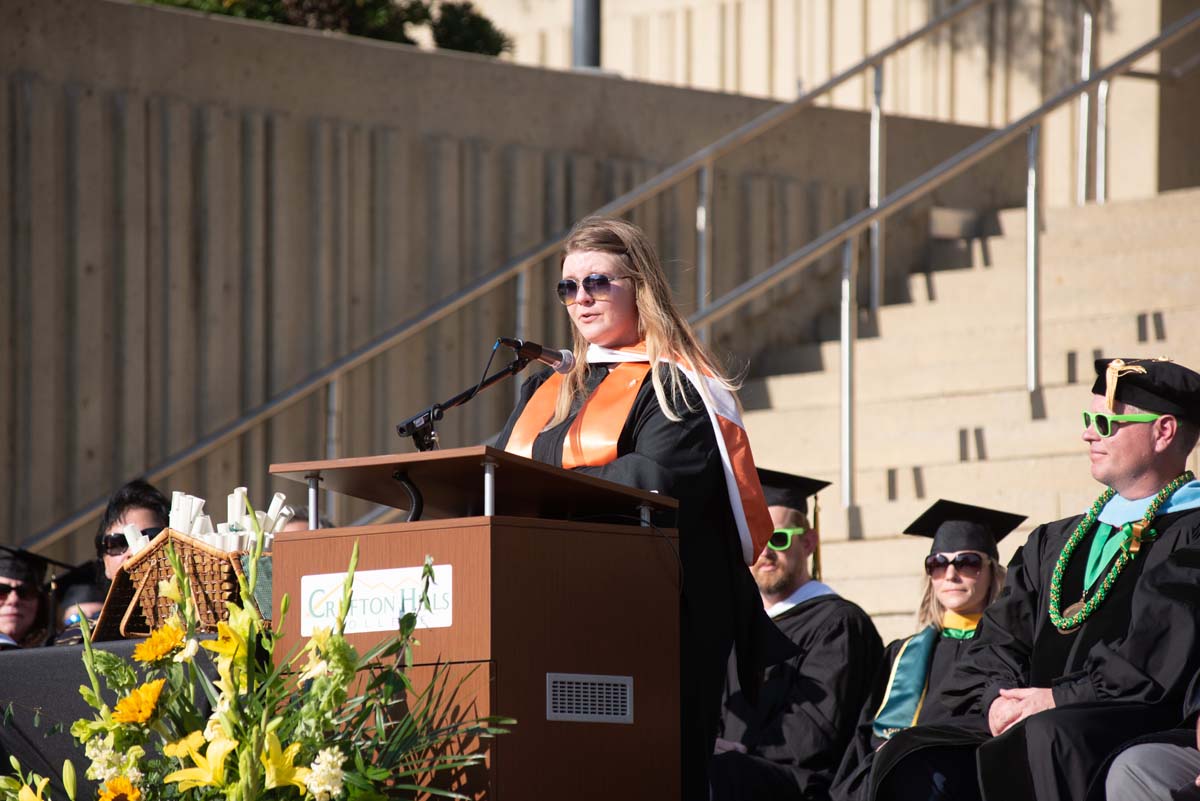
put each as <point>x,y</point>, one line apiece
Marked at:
<point>116,544</point>
<point>967,564</point>
<point>597,285</point>
<point>24,592</point>
<point>1103,423</point>
<point>781,538</point>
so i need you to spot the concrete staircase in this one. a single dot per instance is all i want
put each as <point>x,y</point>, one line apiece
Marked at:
<point>942,409</point>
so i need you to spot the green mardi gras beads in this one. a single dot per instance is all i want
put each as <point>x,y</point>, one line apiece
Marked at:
<point>1070,622</point>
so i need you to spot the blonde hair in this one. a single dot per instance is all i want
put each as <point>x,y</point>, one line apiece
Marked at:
<point>931,611</point>
<point>664,330</point>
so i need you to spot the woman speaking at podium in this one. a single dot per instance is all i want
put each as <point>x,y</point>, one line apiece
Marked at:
<point>646,406</point>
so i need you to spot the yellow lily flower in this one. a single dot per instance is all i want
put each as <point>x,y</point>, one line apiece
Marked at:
<point>169,588</point>
<point>243,620</point>
<point>180,748</point>
<point>280,770</point>
<point>120,789</point>
<point>319,637</point>
<point>27,793</point>
<point>228,645</point>
<point>315,665</point>
<point>138,706</point>
<point>210,767</point>
<point>159,645</point>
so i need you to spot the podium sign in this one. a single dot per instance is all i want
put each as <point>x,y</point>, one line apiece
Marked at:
<point>571,626</point>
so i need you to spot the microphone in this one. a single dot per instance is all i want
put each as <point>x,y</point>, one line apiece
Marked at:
<point>558,360</point>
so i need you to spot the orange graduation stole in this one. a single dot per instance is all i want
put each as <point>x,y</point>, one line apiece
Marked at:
<point>592,439</point>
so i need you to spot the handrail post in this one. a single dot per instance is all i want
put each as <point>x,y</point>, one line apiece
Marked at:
<point>875,189</point>
<point>704,243</point>
<point>1101,143</point>
<point>524,318</point>
<point>1033,376</point>
<point>1085,72</point>
<point>333,435</point>
<point>849,330</point>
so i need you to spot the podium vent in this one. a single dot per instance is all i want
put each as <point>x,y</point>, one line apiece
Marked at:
<point>585,698</point>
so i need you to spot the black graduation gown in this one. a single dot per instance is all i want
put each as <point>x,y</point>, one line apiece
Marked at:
<point>797,731</point>
<point>1119,675</point>
<point>720,608</point>
<point>853,777</point>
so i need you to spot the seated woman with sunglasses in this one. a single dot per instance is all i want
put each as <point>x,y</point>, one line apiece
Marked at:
<point>963,576</point>
<point>646,406</point>
<point>24,608</point>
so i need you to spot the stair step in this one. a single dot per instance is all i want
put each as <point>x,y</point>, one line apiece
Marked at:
<point>1161,209</point>
<point>948,361</point>
<point>1114,281</point>
<point>1043,488</point>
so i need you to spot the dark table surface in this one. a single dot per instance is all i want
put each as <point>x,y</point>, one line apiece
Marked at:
<point>41,687</point>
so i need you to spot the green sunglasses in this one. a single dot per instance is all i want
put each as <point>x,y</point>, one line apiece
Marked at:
<point>781,538</point>
<point>1102,423</point>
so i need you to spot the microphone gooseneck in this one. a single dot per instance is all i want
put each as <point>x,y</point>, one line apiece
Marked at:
<point>560,360</point>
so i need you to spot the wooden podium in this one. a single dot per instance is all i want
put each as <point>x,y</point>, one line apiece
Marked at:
<point>549,585</point>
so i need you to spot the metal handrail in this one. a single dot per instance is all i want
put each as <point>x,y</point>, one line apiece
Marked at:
<point>845,235</point>
<point>1102,99</point>
<point>922,185</point>
<point>699,162</point>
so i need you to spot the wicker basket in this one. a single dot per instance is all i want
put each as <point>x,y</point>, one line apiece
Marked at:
<point>134,608</point>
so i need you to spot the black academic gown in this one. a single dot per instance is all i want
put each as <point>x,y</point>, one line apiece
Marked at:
<point>1121,674</point>
<point>853,781</point>
<point>797,731</point>
<point>720,608</point>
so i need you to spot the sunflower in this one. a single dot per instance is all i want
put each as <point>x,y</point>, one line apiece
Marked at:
<point>159,645</point>
<point>138,706</point>
<point>120,789</point>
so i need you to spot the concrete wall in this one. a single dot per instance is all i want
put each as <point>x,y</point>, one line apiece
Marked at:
<point>996,65</point>
<point>199,212</point>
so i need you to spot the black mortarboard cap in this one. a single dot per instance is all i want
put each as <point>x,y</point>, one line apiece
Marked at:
<point>21,565</point>
<point>785,489</point>
<point>81,584</point>
<point>1156,385</point>
<point>963,527</point>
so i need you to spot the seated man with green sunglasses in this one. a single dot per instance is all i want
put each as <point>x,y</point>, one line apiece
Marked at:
<point>1096,635</point>
<point>788,744</point>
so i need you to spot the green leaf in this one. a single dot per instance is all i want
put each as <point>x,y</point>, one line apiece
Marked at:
<point>37,718</point>
<point>117,672</point>
<point>8,713</point>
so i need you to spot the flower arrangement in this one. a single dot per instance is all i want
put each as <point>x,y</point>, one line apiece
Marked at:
<point>325,723</point>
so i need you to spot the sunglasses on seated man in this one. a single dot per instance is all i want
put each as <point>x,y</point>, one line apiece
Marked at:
<point>24,592</point>
<point>597,285</point>
<point>967,564</point>
<point>1102,423</point>
<point>116,544</point>
<point>781,538</point>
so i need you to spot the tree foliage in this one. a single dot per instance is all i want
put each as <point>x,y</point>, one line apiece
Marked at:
<point>456,25</point>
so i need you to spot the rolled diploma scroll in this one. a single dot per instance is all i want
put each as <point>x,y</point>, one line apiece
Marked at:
<point>202,527</point>
<point>136,540</point>
<point>233,512</point>
<point>285,516</point>
<point>197,509</point>
<point>277,501</point>
<point>173,514</point>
